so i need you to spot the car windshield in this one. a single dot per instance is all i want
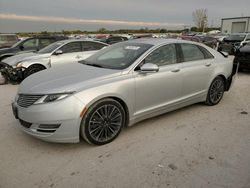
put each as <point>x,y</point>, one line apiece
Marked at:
<point>118,56</point>
<point>16,44</point>
<point>50,48</point>
<point>236,37</point>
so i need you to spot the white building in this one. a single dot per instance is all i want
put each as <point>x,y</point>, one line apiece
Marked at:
<point>235,25</point>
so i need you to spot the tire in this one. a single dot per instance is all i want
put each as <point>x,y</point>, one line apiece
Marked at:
<point>216,91</point>
<point>103,122</point>
<point>33,69</point>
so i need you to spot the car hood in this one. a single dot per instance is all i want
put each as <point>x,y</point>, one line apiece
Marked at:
<point>5,50</point>
<point>66,78</point>
<point>14,60</point>
<point>245,49</point>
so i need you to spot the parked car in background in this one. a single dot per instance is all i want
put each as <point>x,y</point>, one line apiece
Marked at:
<point>115,39</point>
<point>233,42</point>
<point>209,41</point>
<point>220,36</point>
<point>54,55</point>
<point>29,45</point>
<point>119,86</point>
<point>242,56</point>
<point>112,39</point>
<point>7,40</point>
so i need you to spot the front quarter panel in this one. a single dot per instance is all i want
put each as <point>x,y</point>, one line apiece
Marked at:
<point>45,63</point>
<point>122,87</point>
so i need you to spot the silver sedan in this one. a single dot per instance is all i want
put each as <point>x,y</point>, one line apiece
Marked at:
<point>119,86</point>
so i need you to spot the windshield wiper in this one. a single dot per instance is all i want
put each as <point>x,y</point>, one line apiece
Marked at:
<point>92,64</point>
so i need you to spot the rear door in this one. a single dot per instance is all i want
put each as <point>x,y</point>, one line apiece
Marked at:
<point>197,68</point>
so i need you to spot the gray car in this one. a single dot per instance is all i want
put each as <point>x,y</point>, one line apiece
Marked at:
<point>54,55</point>
<point>119,86</point>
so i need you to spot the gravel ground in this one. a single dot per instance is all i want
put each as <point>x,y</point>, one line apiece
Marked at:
<point>197,146</point>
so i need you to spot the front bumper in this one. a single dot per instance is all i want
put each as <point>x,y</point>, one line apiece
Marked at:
<point>12,74</point>
<point>54,122</point>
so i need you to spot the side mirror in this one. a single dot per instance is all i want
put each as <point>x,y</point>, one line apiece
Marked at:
<point>21,47</point>
<point>149,68</point>
<point>244,43</point>
<point>58,52</point>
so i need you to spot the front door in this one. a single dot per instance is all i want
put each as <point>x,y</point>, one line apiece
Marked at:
<point>162,88</point>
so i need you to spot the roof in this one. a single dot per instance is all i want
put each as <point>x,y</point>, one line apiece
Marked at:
<point>78,40</point>
<point>236,18</point>
<point>159,41</point>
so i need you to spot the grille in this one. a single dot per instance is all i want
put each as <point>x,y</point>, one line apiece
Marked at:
<point>27,100</point>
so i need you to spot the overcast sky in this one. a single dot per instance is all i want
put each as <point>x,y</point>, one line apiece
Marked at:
<point>55,15</point>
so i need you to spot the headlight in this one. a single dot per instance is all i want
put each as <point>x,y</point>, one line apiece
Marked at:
<point>19,64</point>
<point>52,98</point>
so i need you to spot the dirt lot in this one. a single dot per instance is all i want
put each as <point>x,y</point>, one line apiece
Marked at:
<point>197,146</point>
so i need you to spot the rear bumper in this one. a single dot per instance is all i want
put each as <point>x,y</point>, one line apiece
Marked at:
<point>232,77</point>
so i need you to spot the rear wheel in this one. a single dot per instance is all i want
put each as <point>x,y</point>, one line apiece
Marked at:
<point>103,122</point>
<point>33,69</point>
<point>216,91</point>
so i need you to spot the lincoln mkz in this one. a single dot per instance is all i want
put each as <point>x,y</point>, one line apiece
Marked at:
<point>119,86</point>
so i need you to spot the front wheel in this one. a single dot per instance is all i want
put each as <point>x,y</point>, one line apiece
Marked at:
<point>216,91</point>
<point>33,69</point>
<point>103,122</point>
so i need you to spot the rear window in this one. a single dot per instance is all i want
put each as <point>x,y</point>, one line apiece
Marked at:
<point>207,54</point>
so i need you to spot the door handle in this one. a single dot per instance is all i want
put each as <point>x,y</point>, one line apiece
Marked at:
<point>175,70</point>
<point>208,64</point>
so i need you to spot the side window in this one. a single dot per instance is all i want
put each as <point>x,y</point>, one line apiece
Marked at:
<point>89,46</point>
<point>207,54</point>
<point>44,42</point>
<point>191,52</point>
<point>30,43</point>
<point>248,37</point>
<point>71,47</point>
<point>164,55</point>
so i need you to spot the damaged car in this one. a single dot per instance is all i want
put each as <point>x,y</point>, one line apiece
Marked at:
<point>18,67</point>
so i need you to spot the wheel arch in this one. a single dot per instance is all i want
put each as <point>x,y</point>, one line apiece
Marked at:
<point>220,75</point>
<point>114,97</point>
<point>34,64</point>
<point>227,82</point>
<point>124,105</point>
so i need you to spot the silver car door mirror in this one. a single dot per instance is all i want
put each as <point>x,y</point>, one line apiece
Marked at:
<point>58,52</point>
<point>149,67</point>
